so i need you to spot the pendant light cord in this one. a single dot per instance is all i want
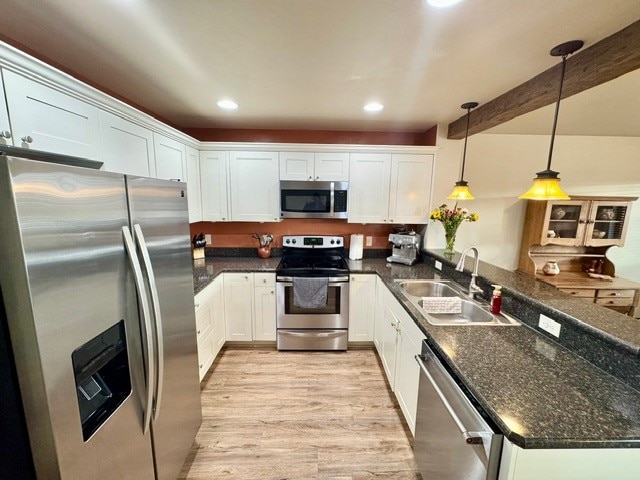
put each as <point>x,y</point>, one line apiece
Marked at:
<point>555,118</point>
<point>464,151</point>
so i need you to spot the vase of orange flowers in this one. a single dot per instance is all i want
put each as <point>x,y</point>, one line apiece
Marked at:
<point>451,219</point>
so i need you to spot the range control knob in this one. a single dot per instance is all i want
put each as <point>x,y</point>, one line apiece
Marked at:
<point>332,242</point>
<point>293,241</point>
<point>287,241</point>
<point>339,241</point>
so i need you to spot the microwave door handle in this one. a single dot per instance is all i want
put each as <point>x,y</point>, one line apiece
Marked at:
<point>155,303</point>
<point>332,198</point>
<point>134,262</point>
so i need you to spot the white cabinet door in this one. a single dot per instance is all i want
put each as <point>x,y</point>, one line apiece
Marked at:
<point>389,342</point>
<point>379,314</point>
<point>218,314</point>
<point>126,147</point>
<point>238,306</point>
<point>362,294</point>
<point>170,155</point>
<point>332,167</point>
<point>407,376</point>
<point>255,186</point>
<point>5,126</point>
<point>193,185</point>
<point>51,121</point>
<point>214,168</point>
<point>264,318</point>
<point>410,190</point>
<point>296,166</point>
<point>369,175</point>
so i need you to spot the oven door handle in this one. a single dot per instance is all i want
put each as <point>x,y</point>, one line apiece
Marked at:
<point>332,280</point>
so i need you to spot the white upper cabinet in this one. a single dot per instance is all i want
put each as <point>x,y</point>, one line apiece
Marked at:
<point>44,119</point>
<point>214,169</point>
<point>388,188</point>
<point>304,166</point>
<point>126,147</point>
<point>193,185</point>
<point>5,126</point>
<point>171,161</point>
<point>410,190</point>
<point>370,175</point>
<point>255,187</point>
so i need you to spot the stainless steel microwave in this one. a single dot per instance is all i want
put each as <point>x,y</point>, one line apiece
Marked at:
<point>313,199</point>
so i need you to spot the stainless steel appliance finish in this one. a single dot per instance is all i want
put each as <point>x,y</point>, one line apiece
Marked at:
<point>67,277</point>
<point>313,199</point>
<point>452,439</point>
<point>405,248</point>
<point>324,328</point>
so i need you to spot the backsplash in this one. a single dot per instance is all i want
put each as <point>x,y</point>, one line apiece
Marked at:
<point>238,234</point>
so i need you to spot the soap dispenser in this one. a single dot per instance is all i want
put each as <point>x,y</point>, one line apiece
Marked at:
<point>496,299</point>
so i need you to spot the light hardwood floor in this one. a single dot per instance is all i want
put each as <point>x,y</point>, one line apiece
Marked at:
<point>299,415</point>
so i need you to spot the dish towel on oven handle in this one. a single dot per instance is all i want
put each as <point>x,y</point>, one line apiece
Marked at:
<point>310,292</point>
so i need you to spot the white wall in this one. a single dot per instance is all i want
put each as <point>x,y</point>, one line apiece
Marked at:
<point>501,167</point>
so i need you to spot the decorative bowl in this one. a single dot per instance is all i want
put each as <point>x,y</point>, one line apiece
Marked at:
<point>598,234</point>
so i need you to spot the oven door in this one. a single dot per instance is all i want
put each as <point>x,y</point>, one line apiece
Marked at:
<point>334,315</point>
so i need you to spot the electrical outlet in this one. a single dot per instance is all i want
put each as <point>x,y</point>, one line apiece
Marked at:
<point>369,241</point>
<point>438,265</point>
<point>549,325</point>
<point>207,237</point>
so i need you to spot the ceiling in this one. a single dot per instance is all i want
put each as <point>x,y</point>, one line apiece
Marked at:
<point>303,64</point>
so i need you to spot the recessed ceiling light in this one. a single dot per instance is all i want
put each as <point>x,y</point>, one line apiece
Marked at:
<point>228,104</point>
<point>442,3</point>
<point>373,107</point>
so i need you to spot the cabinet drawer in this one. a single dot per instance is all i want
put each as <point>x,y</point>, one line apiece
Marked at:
<point>580,292</point>
<point>612,293</point>
<point>615,301</point>
<point>264,279</point>
<point>204,321</point>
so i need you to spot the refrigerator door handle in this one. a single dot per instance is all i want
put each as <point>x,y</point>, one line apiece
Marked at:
<point>155,302</point>
<point>134,262</point>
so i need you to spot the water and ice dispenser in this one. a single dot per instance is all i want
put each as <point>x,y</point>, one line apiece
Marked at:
<point>103,380</point>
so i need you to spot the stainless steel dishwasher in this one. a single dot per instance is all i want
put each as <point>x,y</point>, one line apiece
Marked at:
<point>452,439</point>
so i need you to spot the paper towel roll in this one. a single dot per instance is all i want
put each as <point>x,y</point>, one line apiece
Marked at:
<point>355,246</point>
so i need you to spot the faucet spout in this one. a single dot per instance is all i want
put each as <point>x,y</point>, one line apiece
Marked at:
<point>473,286</point>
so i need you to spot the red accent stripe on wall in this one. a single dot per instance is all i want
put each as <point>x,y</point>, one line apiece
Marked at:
<point>338,137</point>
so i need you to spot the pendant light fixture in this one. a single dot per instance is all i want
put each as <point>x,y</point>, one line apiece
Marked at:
<point>546,185</point>
<point>461,188</point>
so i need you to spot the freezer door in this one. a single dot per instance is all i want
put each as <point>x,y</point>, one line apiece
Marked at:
<point>159,218</point>
<point>65,282</point>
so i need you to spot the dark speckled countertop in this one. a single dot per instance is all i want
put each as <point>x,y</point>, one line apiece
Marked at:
<point>540,394</point>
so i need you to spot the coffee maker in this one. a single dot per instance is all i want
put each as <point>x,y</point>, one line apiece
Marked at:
<point>405,248</point>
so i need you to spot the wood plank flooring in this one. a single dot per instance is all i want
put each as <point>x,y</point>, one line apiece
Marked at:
<point>299,415</point>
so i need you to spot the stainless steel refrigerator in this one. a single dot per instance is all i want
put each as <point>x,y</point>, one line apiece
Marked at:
<point>97,288</point>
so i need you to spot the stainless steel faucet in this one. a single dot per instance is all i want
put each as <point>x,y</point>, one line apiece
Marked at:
<point>473,287</point>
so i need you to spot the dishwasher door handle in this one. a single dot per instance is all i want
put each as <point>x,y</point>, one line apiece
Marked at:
<point>470,437</point>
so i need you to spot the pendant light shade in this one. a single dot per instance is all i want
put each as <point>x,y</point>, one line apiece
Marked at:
<point>546,185</point>
<point>461,188</point>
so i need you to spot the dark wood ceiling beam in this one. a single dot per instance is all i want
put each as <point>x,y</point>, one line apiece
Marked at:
<point>603,61</point>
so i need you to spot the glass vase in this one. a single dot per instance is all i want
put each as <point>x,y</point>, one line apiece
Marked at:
<point>450,237</point>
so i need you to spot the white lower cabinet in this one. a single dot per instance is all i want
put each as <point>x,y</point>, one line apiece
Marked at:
<point>398,340</point>
<point>362,295</point>
<point>264,307</point>
<point>210,324</point>
<point>126,147</point>
<point>238,306</point>
<point>568,464</point>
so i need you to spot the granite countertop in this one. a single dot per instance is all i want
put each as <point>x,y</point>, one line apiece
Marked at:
<point>538,393</point>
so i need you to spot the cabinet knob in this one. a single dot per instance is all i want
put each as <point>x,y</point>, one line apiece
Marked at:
<point>200,365</point>
<point>197,305</point>
<point>582,221</point>
<point>318,178</point>
<point>272,292</point>
<point>223,218</point>
<point>246,277</point>
<point>310,178</point>
<point>391,220</point>
<point>6,134</point>
<point>264,280</point>
<point>198,332</point>
<point>27,139</point>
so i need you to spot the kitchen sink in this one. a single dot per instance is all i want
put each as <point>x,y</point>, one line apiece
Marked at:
<point>473,312</point>
<point>427,288</point>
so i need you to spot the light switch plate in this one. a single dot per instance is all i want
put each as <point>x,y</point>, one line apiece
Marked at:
<point>438,265</point>
<point>369,240</point>
<point>549,325</point>
<point>207,237</point>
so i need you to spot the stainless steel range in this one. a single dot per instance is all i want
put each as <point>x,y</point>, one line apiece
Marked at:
<point>318,261</point>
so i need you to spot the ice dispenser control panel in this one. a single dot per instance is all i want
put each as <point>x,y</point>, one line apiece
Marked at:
<point>103,380</point>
